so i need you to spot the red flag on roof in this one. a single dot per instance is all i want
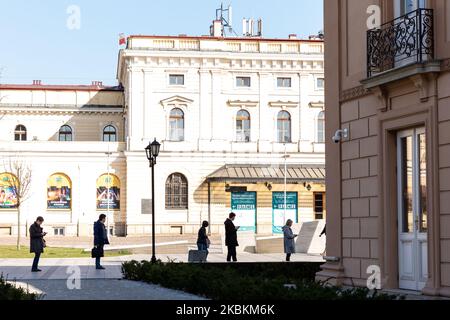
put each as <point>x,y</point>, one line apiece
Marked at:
<point>122,39</point>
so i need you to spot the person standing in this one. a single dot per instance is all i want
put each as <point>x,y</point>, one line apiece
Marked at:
<point>100,239</point>
<point>289,243</point>
<point>202,239</point>
<point>231,237</point>
<point>37,242</point>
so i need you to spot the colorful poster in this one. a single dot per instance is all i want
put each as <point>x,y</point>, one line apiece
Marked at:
<point>108,192</point>
<point>59,190</point>
<point>243,204</point>
<point>279,214</point>
<point>8,195</point>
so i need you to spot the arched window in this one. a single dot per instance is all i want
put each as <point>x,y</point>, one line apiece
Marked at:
<point>65,133</point>
<point>243,126</point>
<point>109,134</point>
<point>20,133</point>
<point>321,127</point>
<point>176,192</point>
<point>284,127</point>
<point>59,192</point>
<point>176,125</point>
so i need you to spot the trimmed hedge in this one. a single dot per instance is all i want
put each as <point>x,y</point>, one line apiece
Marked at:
<point>245,281</point>
<point>10,292</point>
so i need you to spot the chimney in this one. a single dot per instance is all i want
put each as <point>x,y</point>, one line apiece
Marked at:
<point>97,83</point>
<point>37,82</point>
<point>292,36</point>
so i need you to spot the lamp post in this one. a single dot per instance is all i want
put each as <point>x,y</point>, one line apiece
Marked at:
<point>152,151</point>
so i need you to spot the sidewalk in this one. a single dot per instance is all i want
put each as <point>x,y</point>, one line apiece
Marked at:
<point>59,269</point>
<point>57,275</point>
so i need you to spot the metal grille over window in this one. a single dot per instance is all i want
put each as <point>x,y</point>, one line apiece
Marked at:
<point>176,192</point>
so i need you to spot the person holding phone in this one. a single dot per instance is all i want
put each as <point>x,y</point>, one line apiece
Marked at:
<point>289,243</point>
<point>37,242</point>
<point>231,237</point>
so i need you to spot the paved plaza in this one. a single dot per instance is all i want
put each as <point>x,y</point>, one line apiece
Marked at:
<point>57,276</point>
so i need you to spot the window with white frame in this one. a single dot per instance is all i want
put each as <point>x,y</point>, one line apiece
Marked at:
<point>284,82</point>
<point>20,133</point>
<point>321,127</point>
<point>176,125</point>
<point>284,127</point>
<point>176,79</point>
<point>58,231</point>
<point>320,83</point>
<point>243,126</point>
<point>243,82</point>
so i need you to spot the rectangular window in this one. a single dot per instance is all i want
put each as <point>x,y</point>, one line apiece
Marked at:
<point>243,82</point>
<point>320,83</point>
<point>284,82</point>
<point>176,79</point>
<point>319,201</point>
<point>58,231</point>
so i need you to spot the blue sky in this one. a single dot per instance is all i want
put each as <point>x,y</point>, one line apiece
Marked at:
<point>36,43</point>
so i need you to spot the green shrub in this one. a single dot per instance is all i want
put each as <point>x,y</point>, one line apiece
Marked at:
<point>10,292</point>
<point>245,281</point>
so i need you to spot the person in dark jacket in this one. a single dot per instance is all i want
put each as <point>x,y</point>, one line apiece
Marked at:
<point>100,239</point>
<point>202,239</point>
<point>37,242</point>
<point>231,237</point>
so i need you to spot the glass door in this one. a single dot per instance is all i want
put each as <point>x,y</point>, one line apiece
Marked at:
<point>412,209</point>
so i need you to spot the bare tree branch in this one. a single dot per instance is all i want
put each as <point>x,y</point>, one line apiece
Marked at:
<point>19,182</point>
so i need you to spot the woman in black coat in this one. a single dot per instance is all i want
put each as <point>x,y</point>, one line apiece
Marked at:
<point>202,239</point>
<point>37,242</point>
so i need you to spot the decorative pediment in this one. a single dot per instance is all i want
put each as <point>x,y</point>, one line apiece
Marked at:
<point>176,100</point>
<point>317,104</point>
<point>283,104</point>
<point>240,103</point>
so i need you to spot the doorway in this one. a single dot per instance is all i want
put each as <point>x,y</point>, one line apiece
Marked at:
<point>412,208</point>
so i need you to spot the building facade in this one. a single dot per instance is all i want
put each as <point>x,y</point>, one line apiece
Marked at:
<point>241,127</point>
<point>387,175</point>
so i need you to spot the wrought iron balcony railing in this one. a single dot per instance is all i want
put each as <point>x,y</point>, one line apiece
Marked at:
<point>405,40</point>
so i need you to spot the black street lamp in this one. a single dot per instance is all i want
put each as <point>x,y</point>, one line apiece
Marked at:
<point>152,151</point>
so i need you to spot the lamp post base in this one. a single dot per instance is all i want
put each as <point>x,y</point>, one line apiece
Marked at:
<point>153,260</point>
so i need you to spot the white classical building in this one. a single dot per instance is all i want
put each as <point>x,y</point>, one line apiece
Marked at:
<point>241,127</point>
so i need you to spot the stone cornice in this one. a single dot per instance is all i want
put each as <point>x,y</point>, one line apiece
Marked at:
<point>354,93</point>
<point>59,110</point>
<point>239,103</point>
<point>283,104</point>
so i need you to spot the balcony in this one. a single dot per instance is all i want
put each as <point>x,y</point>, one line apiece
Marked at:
<point>407,40</point>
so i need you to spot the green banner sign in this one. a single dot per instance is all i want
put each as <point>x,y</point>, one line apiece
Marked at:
<point>279,214</point>
<point>243,204</point>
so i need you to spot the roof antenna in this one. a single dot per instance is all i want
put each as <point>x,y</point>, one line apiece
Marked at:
<point>225,16</point>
